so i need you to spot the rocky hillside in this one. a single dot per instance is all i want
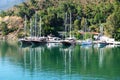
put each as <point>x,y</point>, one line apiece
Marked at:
<point>13,23</point>
<point>95,12</point>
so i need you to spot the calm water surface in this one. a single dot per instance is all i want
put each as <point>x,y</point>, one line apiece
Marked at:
<point>54,62</point>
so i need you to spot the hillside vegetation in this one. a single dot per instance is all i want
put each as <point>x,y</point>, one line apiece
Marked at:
<point>94,12</point>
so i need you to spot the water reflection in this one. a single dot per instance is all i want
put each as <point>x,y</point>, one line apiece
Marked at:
<point>86,52</point>
<point>65,63</point>
<point>101,56</point>
<point>33,58</point>
<point>67,55</point>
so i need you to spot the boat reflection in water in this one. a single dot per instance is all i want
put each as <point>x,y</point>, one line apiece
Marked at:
<point>68,62</point>
<point>59,63</point>
<point>67,57</point>
<point>24,42</point>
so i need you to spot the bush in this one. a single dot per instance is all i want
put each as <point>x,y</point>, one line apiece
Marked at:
<point>4,28</point>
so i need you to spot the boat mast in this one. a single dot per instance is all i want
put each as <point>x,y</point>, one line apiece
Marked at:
<point>40,26</point>
<point>30,27</point>
<point>101,29</point>
<point>70,24</point>
<point>36,24</point>
<point>85,27</point>
<point>65,24</point>
<point>25,29</point>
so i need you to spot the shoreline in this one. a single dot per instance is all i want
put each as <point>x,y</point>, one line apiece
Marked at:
<point>11,38</point>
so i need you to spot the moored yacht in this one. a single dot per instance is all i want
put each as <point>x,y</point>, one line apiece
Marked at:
<point>87,42</point>
<point>68,41</point>
<point>38,41</point>
<point>51,39</point>
<point>25,41</point>
<point>102,43</point>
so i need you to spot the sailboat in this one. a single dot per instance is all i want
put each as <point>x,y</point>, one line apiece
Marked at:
<point>102,42</point>
<point>70,40</point>
<point>26,41</point>
<point>87,41</point>
<point>37,39</point>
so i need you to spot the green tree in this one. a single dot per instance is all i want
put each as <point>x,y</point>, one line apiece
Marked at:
<point>4,28</point>
<point>83,23</point>
<point>3,14</point>
<point>77,24</point>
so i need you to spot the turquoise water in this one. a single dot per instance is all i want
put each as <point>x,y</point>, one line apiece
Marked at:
<point>6,4</point>
<point>55,62</point>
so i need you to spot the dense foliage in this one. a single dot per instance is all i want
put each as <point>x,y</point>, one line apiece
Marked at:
<point>105,12</point>
<point>4,28</point>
